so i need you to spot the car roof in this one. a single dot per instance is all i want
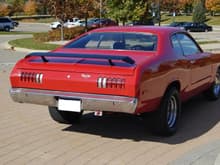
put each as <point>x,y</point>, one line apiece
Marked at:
<point>144,29</point>
<point>4,18</point>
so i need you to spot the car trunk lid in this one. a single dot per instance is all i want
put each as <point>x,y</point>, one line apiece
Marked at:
<point>78,72</point>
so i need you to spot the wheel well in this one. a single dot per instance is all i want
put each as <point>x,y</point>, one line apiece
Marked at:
<point>175,84</point>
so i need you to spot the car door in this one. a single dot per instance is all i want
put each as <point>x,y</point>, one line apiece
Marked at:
<point>198,61</point>
<point>204,27</point>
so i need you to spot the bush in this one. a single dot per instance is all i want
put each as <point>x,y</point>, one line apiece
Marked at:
<point>41,37</point>
<point>55,35</point>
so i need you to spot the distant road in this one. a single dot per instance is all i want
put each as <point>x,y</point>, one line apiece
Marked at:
<point>32,27</point>
<point>43,27</point>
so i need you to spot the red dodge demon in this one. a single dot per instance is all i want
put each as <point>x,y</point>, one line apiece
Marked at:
<point>135,70</point>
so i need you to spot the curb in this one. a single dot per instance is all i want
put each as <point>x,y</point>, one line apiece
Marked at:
<point>7,46</point>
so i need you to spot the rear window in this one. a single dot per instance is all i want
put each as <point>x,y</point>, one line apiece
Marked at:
<point>115,40</point>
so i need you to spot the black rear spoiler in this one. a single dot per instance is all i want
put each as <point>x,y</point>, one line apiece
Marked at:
<point>43,55</point>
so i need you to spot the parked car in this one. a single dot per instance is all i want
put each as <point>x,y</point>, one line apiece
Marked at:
<point>74,24</point>
<point>103,23</point>
<point>68,23</point>
<point>90,22</point>
<point>15,23</point>
<point>132,69</point>
<point>197,27</point>
<point>134,23</point>
<point>6,23</point>
<point>178,24</point>
<point>55,25</point>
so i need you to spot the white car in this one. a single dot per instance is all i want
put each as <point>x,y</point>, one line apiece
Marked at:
<point>73,24</point>
<point>55,25</point>
<point>69,24</point>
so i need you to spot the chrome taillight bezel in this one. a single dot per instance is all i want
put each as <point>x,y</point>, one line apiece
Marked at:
<point>111,82</point>
<point>31,77</point>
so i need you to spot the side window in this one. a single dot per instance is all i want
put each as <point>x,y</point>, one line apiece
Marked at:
<point>4,20</point>
<point>176,46</point>
<point>188,45</point>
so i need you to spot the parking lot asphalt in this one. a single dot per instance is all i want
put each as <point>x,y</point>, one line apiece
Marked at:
<point>32,27</point>
<point>29,136</point>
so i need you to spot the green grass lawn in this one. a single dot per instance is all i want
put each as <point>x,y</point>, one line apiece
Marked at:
<point>208,42</point>
<point>169,19</point>
<point>29,43</point>
<point>14,33</point>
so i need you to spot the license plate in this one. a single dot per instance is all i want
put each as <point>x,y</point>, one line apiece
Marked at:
<point>69,105</point>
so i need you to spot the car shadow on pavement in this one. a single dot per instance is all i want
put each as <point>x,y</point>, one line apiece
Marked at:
<point>198,117</point>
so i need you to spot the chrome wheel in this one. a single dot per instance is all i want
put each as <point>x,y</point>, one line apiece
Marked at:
<point>172,109</point>
<point>213,93</point>
<point>165,120</point>
<point>216,88</point>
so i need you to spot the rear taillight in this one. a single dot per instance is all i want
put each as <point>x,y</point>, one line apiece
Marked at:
<point>104,82</point>
<point>31,77</point>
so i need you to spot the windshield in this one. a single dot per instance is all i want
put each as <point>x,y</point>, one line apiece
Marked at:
<point>116,40</point>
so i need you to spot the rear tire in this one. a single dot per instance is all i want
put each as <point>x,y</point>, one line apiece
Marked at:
<point>65,117</point>
<point>213,93</point>
<point>165,120</point>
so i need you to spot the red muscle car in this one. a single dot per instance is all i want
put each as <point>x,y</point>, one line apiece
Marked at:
<point>135,70</point>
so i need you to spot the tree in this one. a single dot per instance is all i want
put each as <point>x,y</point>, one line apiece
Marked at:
<point>17,6</point>
<point>213,6</point>
<point>199,12</point>
<point>86,8</point>
<point>4,9</point>
<point>65,9</point>
<point>30,7</point>
<point>42,7</point>
<point>124,10</point>
<point>120,10</point>
<point>177,5</point>
<point>186,5</point>
<point>170,5</point>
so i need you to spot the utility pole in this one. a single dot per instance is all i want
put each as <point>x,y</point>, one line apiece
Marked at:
<point>100,11</point>
<point>159,16</point>
<point>62,2</point>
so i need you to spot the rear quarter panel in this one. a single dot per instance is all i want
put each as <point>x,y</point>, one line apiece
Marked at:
<point>166,68</point>
<point>156,75</point>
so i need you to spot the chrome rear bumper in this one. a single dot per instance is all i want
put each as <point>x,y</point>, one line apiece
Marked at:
<point>90,102</point>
